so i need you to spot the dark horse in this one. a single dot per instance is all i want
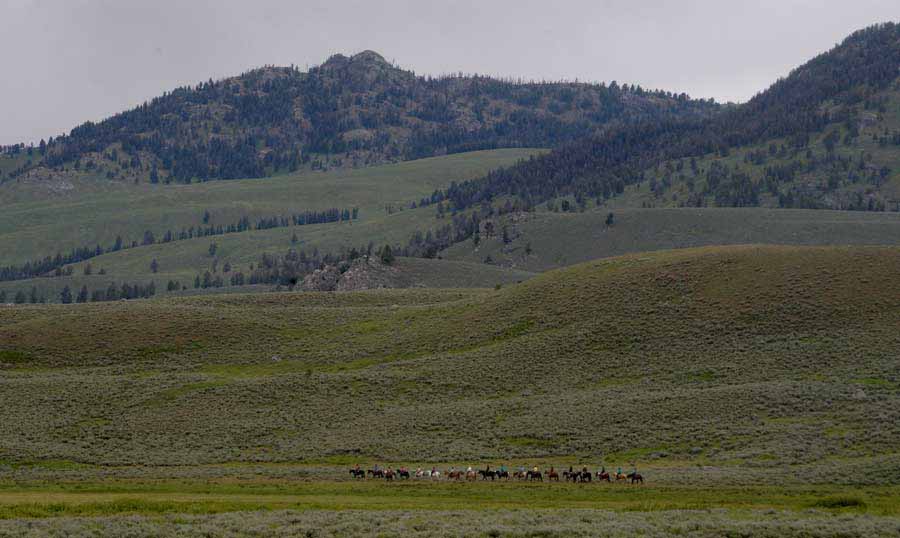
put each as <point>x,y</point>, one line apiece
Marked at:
<point>357,473</point>
<point>552,474</point>
<point>402,473</point>
<point>531,476</point>
<point>503,474</point>
<point>578,476</point>
<point>635,478</point>
<point>487,473</point>
<point>603,475</point>
<point>376,473</point>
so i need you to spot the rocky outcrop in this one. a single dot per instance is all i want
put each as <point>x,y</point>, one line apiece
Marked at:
<point>324,279</point>
<point>364,273</point>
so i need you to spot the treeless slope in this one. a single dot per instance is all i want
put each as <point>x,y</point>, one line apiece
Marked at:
<point>736,358</point>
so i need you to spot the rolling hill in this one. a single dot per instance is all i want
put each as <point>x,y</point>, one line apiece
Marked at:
<point>33,229</point>
<point>544,240</point>
<point>758,363</point>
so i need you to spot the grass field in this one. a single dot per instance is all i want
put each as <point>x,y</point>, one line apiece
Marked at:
<point>556,240</point>
<point>561,239</point>
<point>756,388</point>
<point>454,375</point>
<point>466,523</point>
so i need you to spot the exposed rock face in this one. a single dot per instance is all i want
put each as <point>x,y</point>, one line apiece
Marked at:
<point>325,279</point>
<point>364,273</point>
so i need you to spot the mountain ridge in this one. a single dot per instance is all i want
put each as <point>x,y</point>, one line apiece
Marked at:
<point>833,91</point>
<point>350,111</point>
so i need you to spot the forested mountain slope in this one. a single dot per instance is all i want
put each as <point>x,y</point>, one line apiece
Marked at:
<point>832,127</point>
<point>349,111</point>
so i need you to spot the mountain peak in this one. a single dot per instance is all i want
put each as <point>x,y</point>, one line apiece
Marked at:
<point>369,56</point>
<point>362,69</point>
<point>367,59</point>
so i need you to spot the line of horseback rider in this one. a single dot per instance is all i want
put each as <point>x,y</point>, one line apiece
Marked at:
<point>522,473</point>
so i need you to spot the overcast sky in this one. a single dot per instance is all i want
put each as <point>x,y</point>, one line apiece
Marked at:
<point>68,61</point>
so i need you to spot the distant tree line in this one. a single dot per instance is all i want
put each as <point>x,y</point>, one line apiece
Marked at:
<point>56,265</point>
<point>109,293</point>
<point>20,297</point>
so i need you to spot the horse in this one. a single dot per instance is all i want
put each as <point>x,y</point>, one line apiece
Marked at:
<point>552,475</point>
<point>531,476</point>
<point>603,475</point>
<point>403,473</point>
<point>471,476</point>
<point>503,474</point>
<point>454,475</point>
<point>379,473</point>
<point>486,473</point>
<point>621,476</point>
<point>583,476</point>
<point>435,475</point>
<point>520,475</point>
<point>357,473</point>
<point>389,475</point>
<point>635,478</point>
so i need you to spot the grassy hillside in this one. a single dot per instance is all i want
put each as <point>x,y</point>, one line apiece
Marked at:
<point>557,239</point>
<point>743,360</point>
<point>36,227</point>
<point>406,273</point>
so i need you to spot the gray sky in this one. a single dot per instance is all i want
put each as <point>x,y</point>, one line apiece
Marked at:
<point>68,61</point>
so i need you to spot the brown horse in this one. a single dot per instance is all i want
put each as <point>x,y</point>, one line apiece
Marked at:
<point>635,478</point>
<point>389,475</point>
<point>471,476</point>
<point>621,476</point>
<point>603,475</point>
<point>552,474</point>
<point>454,475</point>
